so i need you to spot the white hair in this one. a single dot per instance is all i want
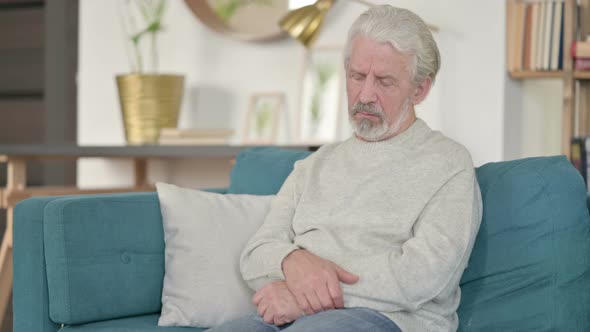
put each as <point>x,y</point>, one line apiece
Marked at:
<point>404,31</point>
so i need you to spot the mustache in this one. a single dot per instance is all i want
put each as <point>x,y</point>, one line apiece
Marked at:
<point>371,109</point>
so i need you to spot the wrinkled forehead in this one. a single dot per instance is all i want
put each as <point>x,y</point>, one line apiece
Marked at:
<point>367,54</point>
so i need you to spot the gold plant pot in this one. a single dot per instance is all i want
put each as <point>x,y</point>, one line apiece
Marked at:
<point>149,103</point>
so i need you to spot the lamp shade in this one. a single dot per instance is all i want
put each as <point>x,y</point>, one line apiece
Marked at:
<point>304,23</point>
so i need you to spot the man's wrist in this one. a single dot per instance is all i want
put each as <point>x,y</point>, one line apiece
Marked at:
<point>279,282</point>
<point>288,257</point>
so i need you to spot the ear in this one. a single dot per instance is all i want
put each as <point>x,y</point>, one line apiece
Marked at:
<point>422,91</point>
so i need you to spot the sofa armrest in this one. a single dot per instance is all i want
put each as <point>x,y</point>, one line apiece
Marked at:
<point>104,256</point>
<point>87,258</point>
<point>30,299</point>
<point>116,240</point>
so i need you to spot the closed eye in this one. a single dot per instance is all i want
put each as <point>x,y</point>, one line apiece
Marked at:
<point>387,82</point>
<point>359,77</point>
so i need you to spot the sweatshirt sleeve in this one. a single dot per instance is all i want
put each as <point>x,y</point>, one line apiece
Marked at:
<point>432,262</point>
<point>261,260</point>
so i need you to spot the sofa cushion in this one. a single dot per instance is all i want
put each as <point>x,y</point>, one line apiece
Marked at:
<point>205,234</point>
<point>262,170</point>
<point>147,323</point>
<point>530,266</point>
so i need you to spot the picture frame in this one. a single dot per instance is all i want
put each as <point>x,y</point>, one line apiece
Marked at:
<point>322,90</point>
<point>262,121</point>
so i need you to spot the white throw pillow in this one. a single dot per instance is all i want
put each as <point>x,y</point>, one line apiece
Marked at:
<point>205,234</point>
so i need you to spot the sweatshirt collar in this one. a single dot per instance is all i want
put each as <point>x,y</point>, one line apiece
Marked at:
<point>415,131</point>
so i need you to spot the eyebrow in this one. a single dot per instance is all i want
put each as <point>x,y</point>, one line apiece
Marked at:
<point>379,77</point>
<point>386,77</point>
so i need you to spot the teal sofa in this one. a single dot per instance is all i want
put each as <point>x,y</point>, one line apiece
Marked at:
<point>96,262</point>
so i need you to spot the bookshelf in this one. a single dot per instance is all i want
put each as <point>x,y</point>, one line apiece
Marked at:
<point>575,110</point>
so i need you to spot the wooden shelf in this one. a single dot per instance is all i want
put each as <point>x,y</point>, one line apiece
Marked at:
<point>519,75</point>
<point>582,75</point>
<point>73,152</point>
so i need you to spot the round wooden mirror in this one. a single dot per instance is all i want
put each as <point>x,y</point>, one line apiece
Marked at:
<point>250,20</point>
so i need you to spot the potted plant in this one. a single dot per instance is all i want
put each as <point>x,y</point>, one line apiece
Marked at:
<point>149,100</point>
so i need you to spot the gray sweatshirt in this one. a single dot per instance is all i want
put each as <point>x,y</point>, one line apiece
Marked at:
<point>402,214</point>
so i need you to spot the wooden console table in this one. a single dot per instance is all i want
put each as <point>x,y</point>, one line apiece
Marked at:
<point>16,190</point>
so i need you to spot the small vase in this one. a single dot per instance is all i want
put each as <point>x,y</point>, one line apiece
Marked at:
<point>148,104</point>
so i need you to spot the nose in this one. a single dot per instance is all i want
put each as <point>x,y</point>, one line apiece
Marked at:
<point>368,93</point>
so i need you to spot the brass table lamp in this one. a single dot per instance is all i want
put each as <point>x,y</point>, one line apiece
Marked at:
<point>304,23</point>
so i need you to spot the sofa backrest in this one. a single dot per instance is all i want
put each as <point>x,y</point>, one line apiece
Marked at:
<point>530,266</point>
<point>262,170</point>
<point>533,247</point>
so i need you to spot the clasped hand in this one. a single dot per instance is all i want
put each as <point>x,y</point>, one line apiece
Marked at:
<point>276,305</point>
<point>312,284</point>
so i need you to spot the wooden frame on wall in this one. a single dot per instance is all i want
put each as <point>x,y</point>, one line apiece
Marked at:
<point>261,125</point>
<point>322,90</point>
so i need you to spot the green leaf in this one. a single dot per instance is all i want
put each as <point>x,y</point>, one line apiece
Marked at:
<point>144,9</point>
<point>154,27</point>
<point>160,10</point>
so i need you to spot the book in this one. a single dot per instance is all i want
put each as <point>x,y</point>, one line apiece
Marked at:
<point>528,34</point>
<point>561,33</point>
<point>579,156</point>
<point>585,155</point>
<point>581,49</point>
<point>548,31</point>
<point>194,141</point>
<point>542,20</point>
<point>582,64</point>
<point>535,18</point>
<point>556,35</point>
<point>210,136</point>
<point>519,35</point>
<point>535,35</point>
<point>195,133</point>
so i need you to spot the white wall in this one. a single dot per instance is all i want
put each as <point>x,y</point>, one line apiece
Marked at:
<point>532,122</point>
<point>541,114</point>
<point>513,118</point>
<point>467,102</point>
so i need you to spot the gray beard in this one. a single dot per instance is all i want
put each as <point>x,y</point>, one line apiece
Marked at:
<point>370,131</point>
